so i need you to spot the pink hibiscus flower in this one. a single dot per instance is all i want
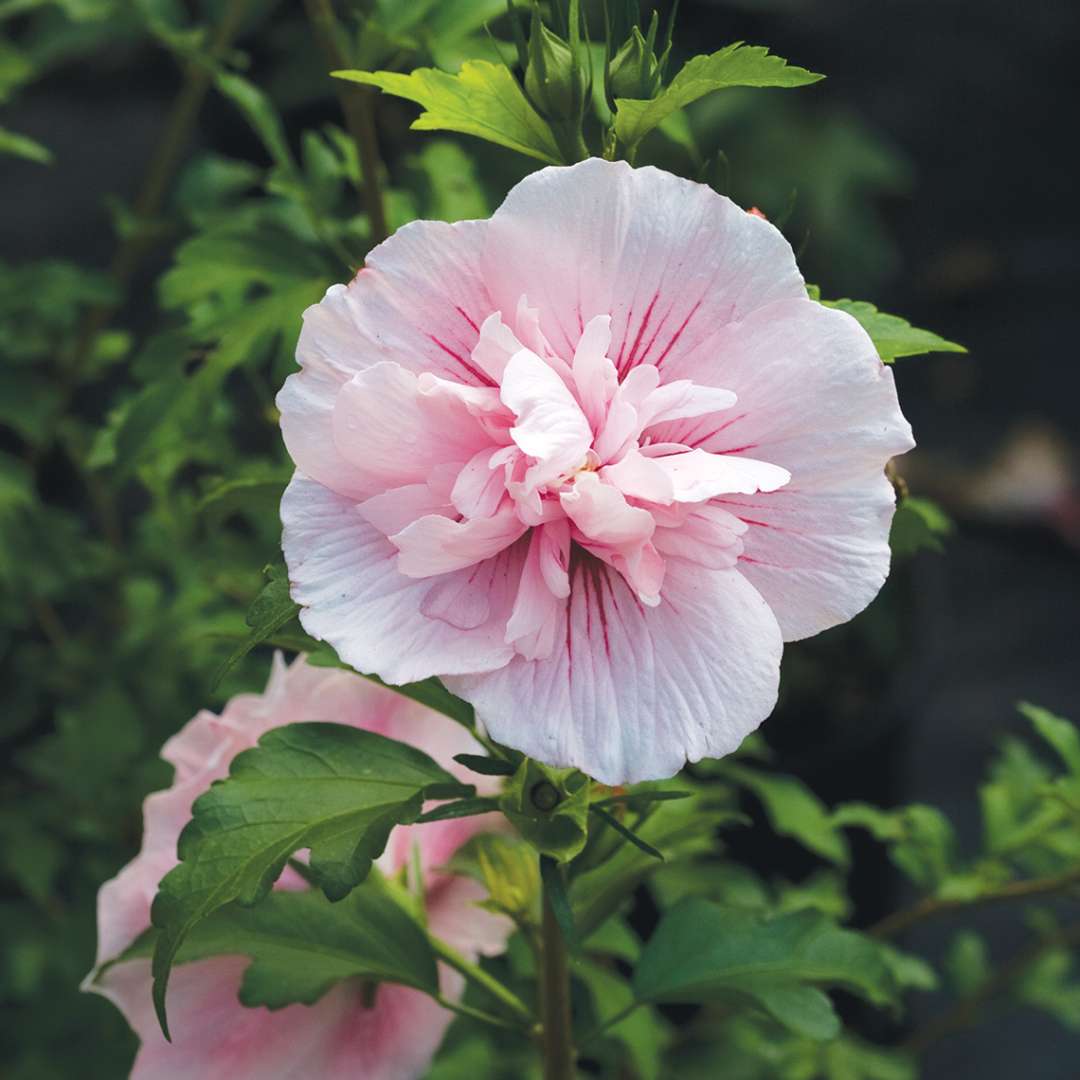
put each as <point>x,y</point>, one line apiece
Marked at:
<point>591,461</point>
<point>339,1038</point>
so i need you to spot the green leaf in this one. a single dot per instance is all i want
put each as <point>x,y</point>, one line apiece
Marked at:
<point>483,99</point>
<point>459,809</point>
<point>1060,733</point>
<point>793,810</point>
<point>485,766</point>
<point>677,829</point>
<point>918,524</point>
<point>271,610</point>
<point>893,337</point>
<point>334,789</point>
<point>261,115</point>
<point>301,944</point>
<point>921,840</point>
<point>549,807</point>
<point>627,834</point>
<point>23,146</point>
<point>704,952</point>
<point>735,65</point>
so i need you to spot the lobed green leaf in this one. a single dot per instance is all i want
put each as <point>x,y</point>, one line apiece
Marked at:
<point>482,99</point>
<point>734,65</point>
<point>335,790</point>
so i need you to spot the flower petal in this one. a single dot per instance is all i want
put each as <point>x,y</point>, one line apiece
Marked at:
<point>550,427</point>
<point>438,545</point>
<point>668,259</point>
<point>344,573</point>
<point>418,302</point>
<point>392,434</point>
<point>603,515</point>
<point>697,475</point>
<point>632,693</point>
<point>817,550</point>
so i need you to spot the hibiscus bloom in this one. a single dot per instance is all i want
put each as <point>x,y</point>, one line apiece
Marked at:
<point>342,1036</point>
<point>591,461</point>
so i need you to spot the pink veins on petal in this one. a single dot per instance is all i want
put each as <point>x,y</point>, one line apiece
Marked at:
<point>560,448</point>
<point>590,461</point>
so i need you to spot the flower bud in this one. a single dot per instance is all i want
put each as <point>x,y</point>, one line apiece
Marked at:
<point>635,71</point>
<point>554,79</point>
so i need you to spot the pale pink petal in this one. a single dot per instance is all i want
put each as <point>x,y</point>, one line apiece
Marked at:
<point>640,477</point>
<point>707,535</point>
<point>481,484</point>
<point>668,259</point>
<point>418,302</point>
<point>817,550</point>
<point>635,692</point>
<point>537,615</point>
<point>602,513</point>
<point>216,1038</point>
<point>555,556</point>
<point>496,345</point>
<point>682,399</point>
<point>344,573</point>
<point>438,545</point>
<point>398,507</point>
<point>624,423</point>
<point>392,434</point>
<point>550,427</point>
<point>697,475</point>
<point>594,373</point>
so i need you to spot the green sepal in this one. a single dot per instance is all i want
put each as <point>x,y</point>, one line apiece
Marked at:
<point>549,807</point>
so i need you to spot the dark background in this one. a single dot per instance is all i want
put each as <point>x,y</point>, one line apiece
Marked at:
<point>966,223</point>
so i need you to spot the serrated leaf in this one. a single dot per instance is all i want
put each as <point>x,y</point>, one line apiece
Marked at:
<point>704,952</point>
<point>1059,733</point>
<point>734,65</point>
<point>269,612</point>
<point>482,99</point>
<point>335,790</point>
<point>893,337</point>
<point>301,944</point>
<point>793,810</point>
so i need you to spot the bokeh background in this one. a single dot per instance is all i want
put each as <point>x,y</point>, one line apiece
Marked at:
<point>931,173</point>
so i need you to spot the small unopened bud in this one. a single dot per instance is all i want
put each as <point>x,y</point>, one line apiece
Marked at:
<point>545,796</point>
<point>635,71</point>
<point>554,79</point>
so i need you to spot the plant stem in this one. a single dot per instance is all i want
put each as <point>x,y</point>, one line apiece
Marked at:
<point>159,173</point>
<point>930,906</point>
<point>479,976</point>
<point>557,1036</point>
<point>476,1014</point>
<point>965,1012</point>
<point>358,107</point>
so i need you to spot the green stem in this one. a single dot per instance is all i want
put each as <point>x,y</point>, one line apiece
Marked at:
<point>167,156</point>
<point>930,906</point>
<point>476,1014</point>
<point>358,107</point>
<point>557,1041</point>
<point>478,975</point>
<point>966,1011</point>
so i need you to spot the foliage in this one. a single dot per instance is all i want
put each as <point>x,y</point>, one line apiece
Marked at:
<point>140,470</point>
